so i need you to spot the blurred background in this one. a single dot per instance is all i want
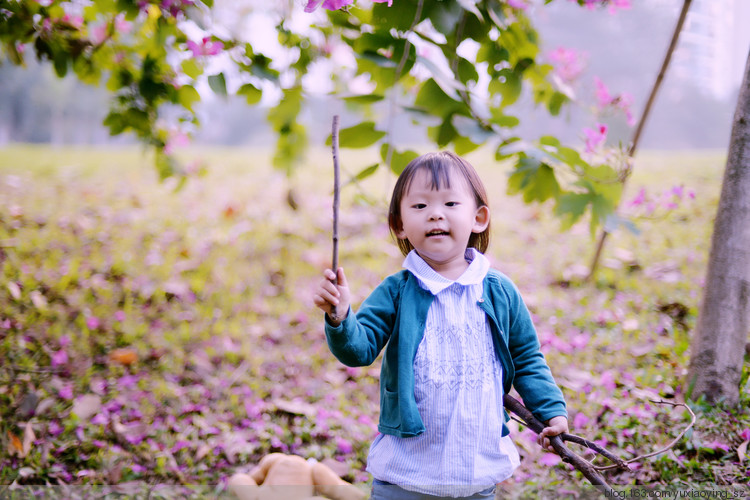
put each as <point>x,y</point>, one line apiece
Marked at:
<point>623,49</point>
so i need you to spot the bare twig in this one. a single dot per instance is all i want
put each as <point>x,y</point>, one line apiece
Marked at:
<point>589,471</point>
<point>642,121</point>
<point>586,468</point>
<point>670,445</point>
<point>336,195</point>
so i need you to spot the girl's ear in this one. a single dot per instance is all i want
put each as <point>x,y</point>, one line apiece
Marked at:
<point>481,219</point>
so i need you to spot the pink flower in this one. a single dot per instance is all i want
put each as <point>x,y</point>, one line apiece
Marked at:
<point>607,380</point>
<point>176,140</point>
<point>66,392</point>
<point>59,358</point>
<point>390,2</point>
<point>595,137</point>
<point>119,316</point>
<point>745,434</point>
<point>569,63</point>
<point>54,428</point>
<point>92,323</point>
<point>343,446</point>
<point>517,4</point>
<point>602,93</point>
<point>580,420</point>
<point>206,47</point>
<point>639,198</point>
<point>99,34</point>
<point>329,4</point>
<point>550,459</point>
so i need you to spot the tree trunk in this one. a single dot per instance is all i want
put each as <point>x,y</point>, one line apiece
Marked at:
<point>723,325</point>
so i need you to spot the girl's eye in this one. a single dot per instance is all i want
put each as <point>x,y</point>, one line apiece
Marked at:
<point>419,206</point>
<point>451,204</point>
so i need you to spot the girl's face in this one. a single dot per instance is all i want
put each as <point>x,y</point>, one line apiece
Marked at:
<point>439,222</point>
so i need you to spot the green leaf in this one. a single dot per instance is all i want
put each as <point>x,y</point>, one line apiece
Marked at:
<point>503,120</point>
<point>187,95</point>
<point>556,102</point>
<point>399,159</point>
<point>363,99</point>
<point>549,140</point>
<point>508,84</point>
<point>571,207</point>
<point>466,71</point>
<point>535,179</point>
<point>361,135</point>
<point>432,98</point>
<point>218,84</point>
<point>364,173</point>
<point>251,93</point>
<point>191,68</point>
<point>470,129</point>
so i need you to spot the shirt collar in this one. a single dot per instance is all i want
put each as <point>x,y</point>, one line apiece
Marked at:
<point>435,283</point>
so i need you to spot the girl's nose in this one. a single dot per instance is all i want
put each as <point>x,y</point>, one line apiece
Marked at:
<point>436,215</point>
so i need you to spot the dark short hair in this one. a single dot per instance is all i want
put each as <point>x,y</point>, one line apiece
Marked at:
<point>440,165</point>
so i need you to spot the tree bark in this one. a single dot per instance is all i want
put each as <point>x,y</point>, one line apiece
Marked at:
<point>723,325</point>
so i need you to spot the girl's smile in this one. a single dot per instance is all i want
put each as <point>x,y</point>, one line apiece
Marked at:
<point>438,221</point>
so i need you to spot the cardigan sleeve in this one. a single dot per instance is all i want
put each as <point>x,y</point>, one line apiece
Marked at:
<point>533,378</point>
<point>358,340</point>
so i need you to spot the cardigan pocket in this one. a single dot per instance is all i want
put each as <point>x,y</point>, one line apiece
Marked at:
<point>389,410</point>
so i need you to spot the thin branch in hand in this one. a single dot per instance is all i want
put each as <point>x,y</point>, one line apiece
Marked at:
<point>670,445</point>
<point>336,202</point>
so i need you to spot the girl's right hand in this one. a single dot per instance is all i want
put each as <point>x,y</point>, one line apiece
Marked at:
<point>333,299</point>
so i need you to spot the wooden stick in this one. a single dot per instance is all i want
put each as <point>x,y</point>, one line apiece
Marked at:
<point>335,260</point>
<point>586,468</point>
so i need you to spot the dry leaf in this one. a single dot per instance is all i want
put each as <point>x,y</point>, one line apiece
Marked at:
<point>742,451</point>
<point>28,440</point>
<point>14,289</point>
<point>87,406</point>
<point>15,446</point>
<point>39,301</point>
<point>125,356</point>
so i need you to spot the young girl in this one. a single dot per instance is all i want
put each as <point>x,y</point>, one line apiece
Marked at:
<point>457,335</point>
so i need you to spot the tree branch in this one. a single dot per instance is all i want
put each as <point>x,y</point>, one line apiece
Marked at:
<point>336,201</point>
<point>642,121</point>
<point>589,471</point>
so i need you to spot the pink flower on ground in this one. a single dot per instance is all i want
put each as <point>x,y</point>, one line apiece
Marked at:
<point>119,316</point>
<point>595,137</point>
<point>92,323</point>
<point>343,446</point>
<point>206,47</point>
<point>615,4</point>
<point>580,420</point>
<point>59,358</point>
<point>54,428</point>
<point>550,459</point>
<point>66,392</point>
<point>122,26</point>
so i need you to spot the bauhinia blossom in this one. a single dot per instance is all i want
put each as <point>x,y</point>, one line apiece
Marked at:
<point>335,4</point>
<point>206,47</point>
<point>621,102</point>
<point>595,137</point>
<point>569,63</point>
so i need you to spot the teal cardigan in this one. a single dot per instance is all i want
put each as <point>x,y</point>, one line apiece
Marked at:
<point>394,316</point>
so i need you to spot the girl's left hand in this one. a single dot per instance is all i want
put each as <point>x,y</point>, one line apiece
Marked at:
<point>555,426</point>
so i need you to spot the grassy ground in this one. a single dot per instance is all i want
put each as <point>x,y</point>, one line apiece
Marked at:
<point>166,337</point>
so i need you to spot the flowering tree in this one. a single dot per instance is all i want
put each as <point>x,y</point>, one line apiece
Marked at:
<point>455,67</point>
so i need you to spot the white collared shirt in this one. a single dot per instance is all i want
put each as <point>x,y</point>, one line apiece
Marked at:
<point>459,393</point>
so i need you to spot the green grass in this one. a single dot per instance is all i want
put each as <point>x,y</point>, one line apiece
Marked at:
<point>211,287</point>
